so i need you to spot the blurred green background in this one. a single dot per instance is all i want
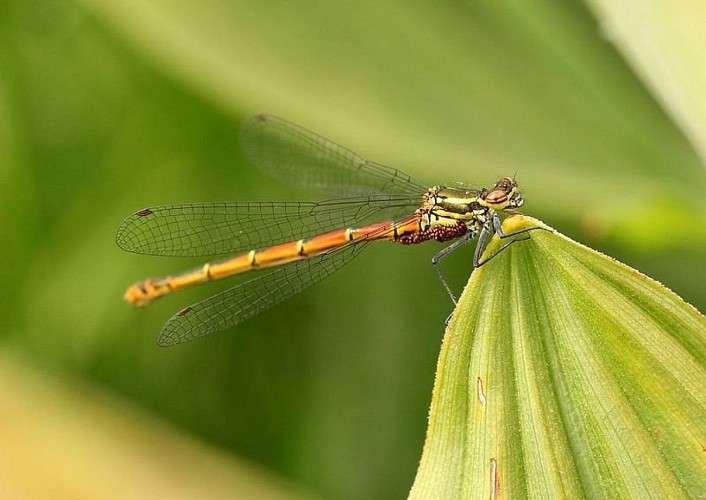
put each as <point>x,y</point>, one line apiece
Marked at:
<point>108,106</point>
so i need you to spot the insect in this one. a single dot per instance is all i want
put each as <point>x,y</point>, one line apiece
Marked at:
<point>293,245</point>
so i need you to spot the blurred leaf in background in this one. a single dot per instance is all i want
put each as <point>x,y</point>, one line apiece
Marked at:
<point>99,446</point>
<point>109,106</point>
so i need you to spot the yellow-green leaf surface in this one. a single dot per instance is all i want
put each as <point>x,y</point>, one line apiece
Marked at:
<point>565,374</point>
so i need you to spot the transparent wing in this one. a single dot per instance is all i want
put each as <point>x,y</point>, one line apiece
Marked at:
<point>219,228</point>
<point>247,299</point>
<point>298,156</point>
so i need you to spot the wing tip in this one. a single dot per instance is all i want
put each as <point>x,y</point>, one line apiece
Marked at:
<point>165,341</point>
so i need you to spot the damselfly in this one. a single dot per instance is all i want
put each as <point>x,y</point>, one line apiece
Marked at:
<point>300,243</point>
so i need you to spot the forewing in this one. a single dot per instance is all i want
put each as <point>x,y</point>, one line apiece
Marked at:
<point>219,228</point>
<point>298,156</point>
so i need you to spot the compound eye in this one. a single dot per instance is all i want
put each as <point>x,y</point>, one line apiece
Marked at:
<point>496,197</point>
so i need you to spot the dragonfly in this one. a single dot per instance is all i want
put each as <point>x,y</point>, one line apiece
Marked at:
<point>294,244</point>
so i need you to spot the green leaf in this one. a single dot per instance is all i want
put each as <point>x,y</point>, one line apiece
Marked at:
<point>564,373</point>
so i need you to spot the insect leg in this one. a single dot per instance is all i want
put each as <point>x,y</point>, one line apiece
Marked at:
<point>445,253</point>
<point>497,228</point>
